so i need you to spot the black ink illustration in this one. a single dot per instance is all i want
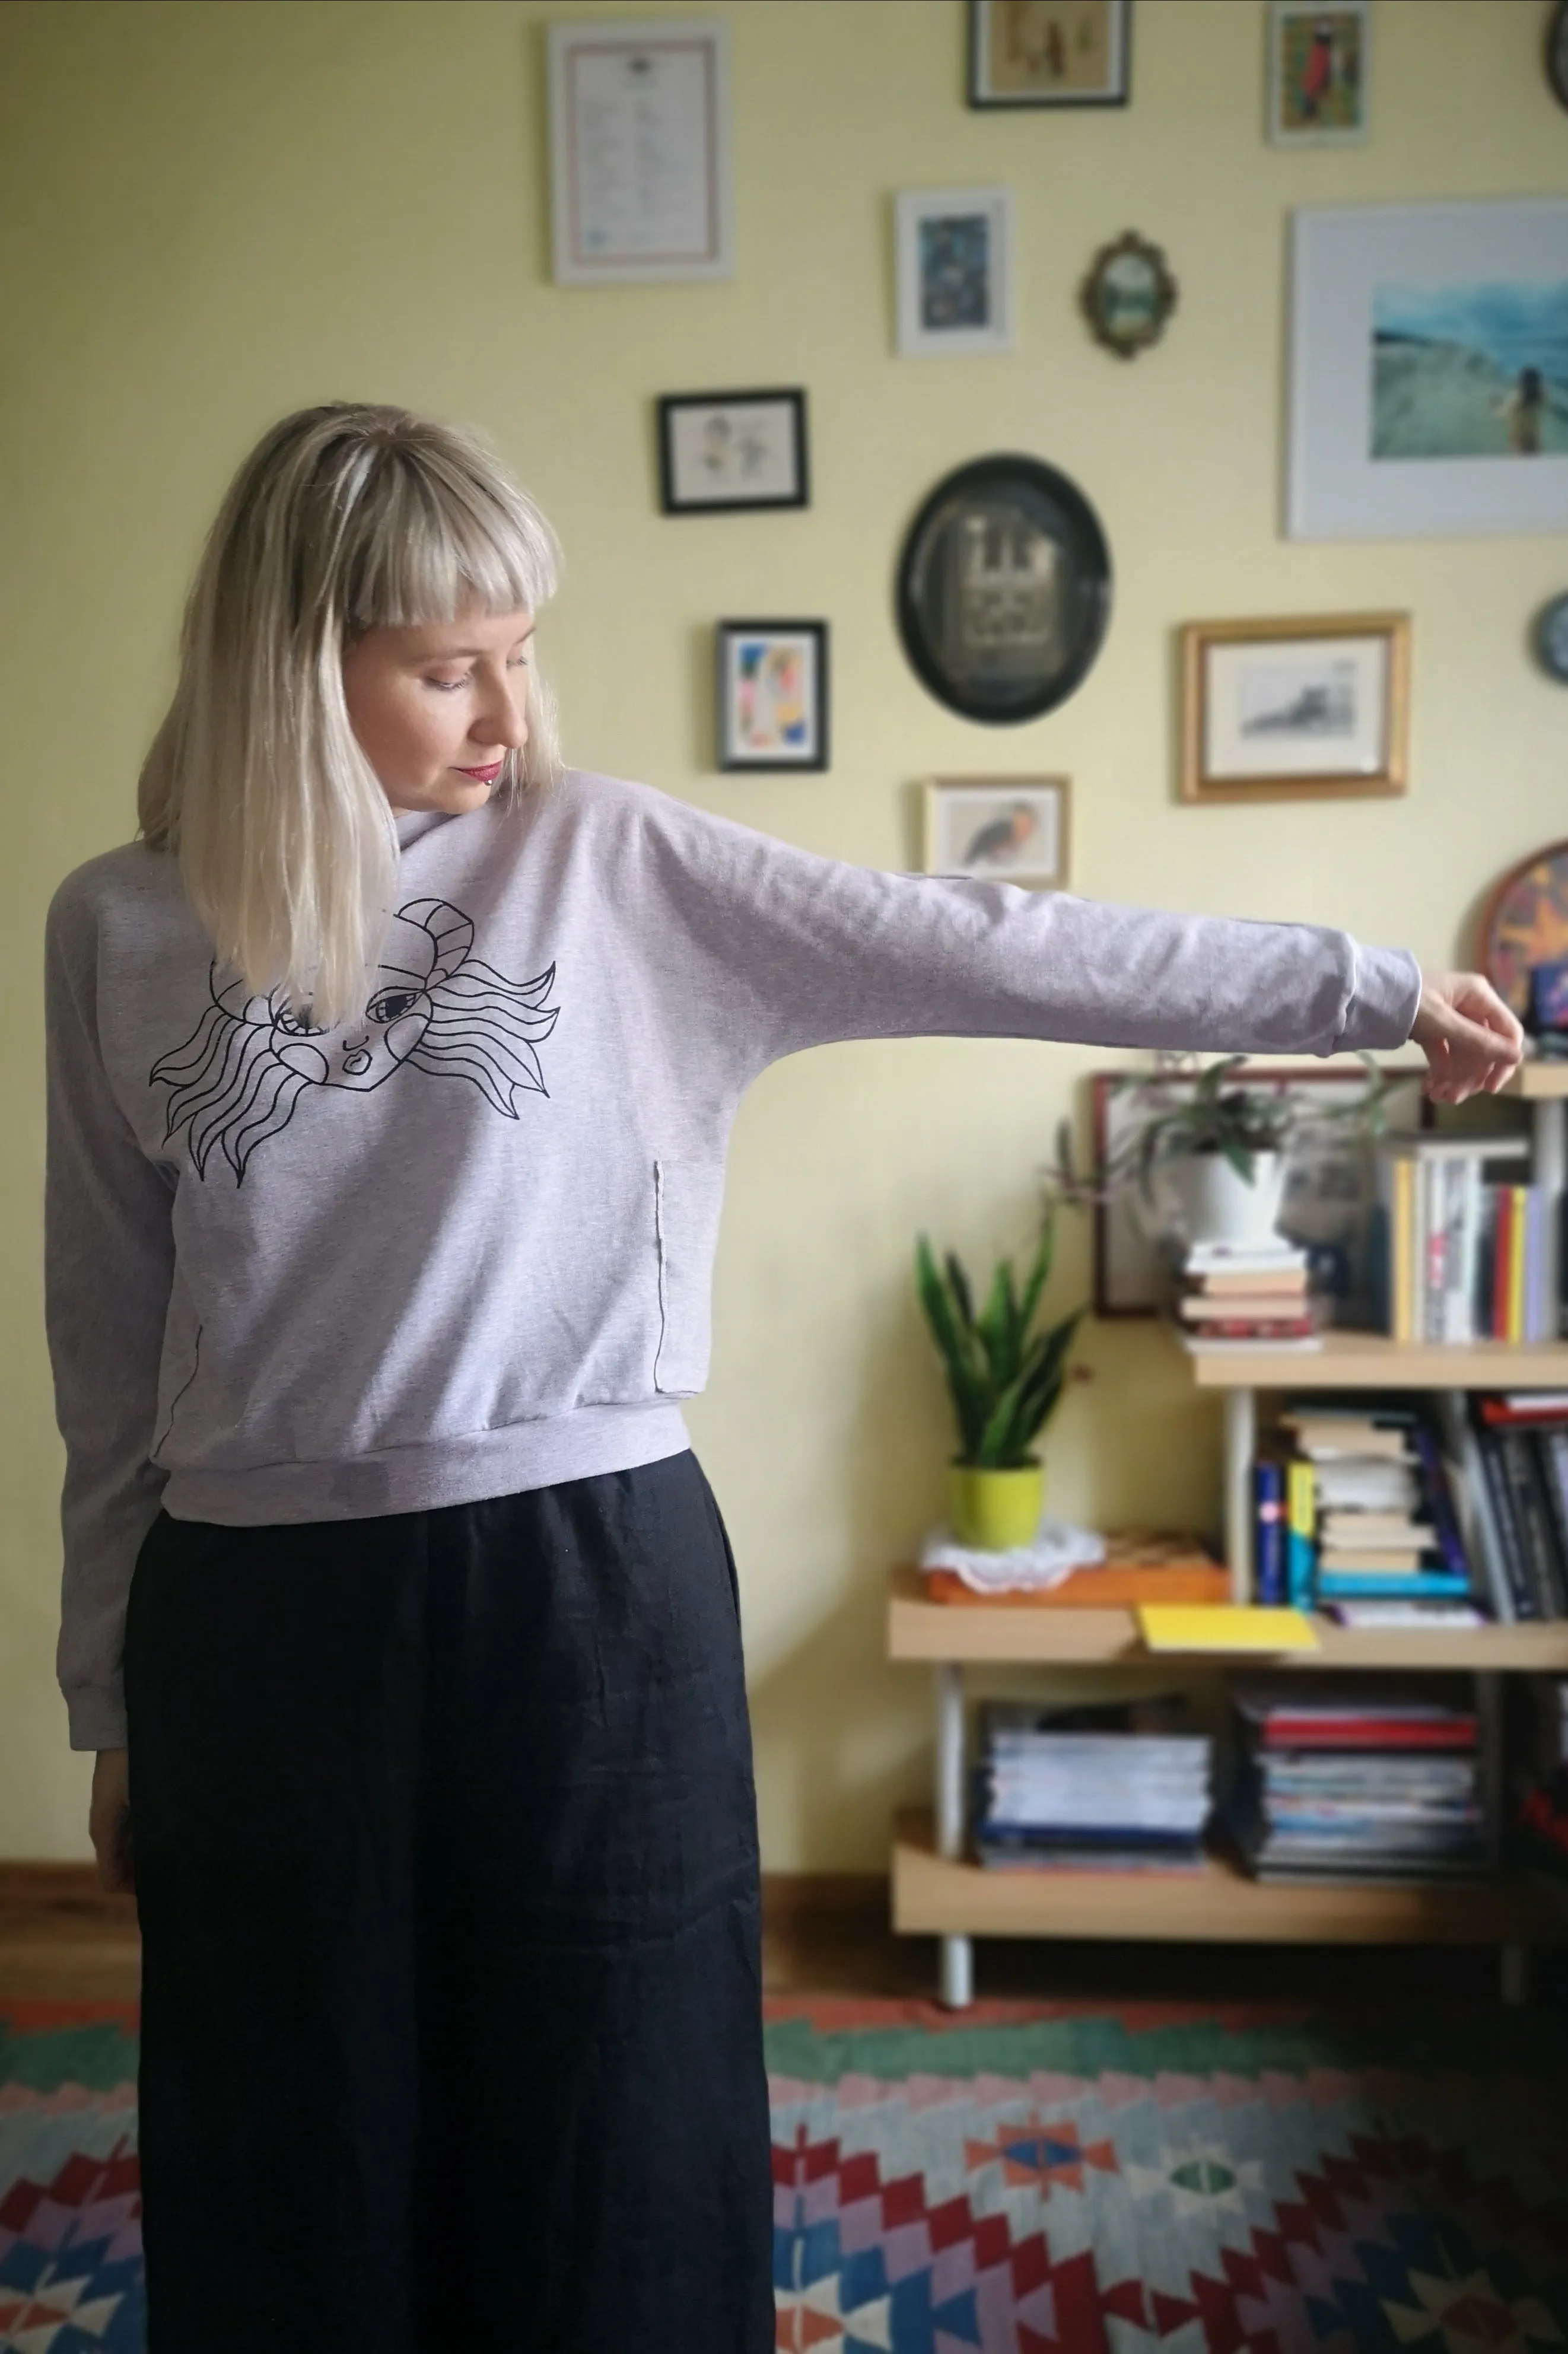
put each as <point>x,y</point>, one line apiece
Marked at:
<point>236,1079</point>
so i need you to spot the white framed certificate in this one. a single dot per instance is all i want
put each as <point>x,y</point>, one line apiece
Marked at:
<point>639,164</point>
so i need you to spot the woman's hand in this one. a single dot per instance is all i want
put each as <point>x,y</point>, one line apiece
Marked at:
<point>1469,1037</point>
<point>109,1821</point>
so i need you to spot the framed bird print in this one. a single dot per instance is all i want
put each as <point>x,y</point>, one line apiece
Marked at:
<point>1318,72</point>
<point>998,830</point>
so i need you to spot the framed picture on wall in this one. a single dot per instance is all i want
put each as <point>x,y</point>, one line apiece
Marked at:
<point>772,695</point>
<point>998,829</point>
<point>1049,52</point>
<point>954,256</point>
<point>1330,1182</point>
<point>640,164</point>
<point>1318,72</point>
<point>720,451</point>
<point>1313,709</point>
<point>1428,370</point>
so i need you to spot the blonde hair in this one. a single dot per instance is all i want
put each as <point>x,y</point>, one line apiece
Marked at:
<point>343,518</point>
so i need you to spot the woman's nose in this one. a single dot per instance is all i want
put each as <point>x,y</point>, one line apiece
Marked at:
<point>502,719</point>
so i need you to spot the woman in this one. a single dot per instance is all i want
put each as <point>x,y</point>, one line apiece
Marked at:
<point>390,1072</point>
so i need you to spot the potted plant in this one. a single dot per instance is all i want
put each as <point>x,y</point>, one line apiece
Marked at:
<point>1209,1159</point>
<point>1004,1379</point>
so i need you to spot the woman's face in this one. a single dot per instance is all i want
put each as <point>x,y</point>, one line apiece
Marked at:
<point>435,708</point>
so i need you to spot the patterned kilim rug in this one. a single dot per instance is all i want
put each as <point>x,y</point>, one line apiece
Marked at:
<point>1022,2178</point>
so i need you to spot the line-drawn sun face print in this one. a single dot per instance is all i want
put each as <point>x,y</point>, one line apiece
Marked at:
<point>236,1080</point>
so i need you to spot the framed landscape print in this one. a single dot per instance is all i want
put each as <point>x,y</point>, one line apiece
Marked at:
<point>954,256</point>
<point>1312,709</point>
<point>1004,586</point>
<point>1318,72</point>
<point>1428,370</point>
<point>772,695</point>
<point>998,830</point>
<point>724,451</point>
<point>1049,52</point>
<point>639,164</point>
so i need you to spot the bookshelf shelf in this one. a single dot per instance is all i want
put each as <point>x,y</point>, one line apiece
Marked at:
<point>1371,1361</point>
<point>1540,1083</point>
<point>1036,1634</point>
<point>947,1897</point>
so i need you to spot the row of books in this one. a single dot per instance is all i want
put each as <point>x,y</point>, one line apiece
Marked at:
<point>1444,1506</point>
<point>1120,1788</point>
<point>1462,1252</point>
<point>1357,1785</point>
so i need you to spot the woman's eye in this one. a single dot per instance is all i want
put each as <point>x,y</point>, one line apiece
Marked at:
<point>446,685</point>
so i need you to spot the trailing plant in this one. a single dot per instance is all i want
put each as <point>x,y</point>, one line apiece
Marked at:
<point>1188,1114</point>
<point>1003,1378</point>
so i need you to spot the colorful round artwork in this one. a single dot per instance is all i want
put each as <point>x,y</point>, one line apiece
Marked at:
<point>1526,924</point>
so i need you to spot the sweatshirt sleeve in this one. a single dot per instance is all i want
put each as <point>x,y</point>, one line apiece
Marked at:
<point>791,949</point>
<point>108,1273</point>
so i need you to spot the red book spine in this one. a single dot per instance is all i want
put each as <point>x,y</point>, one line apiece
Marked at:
<point>1502,1263</point>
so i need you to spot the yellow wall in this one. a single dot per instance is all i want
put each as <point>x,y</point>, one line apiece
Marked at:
<point>214,213</point>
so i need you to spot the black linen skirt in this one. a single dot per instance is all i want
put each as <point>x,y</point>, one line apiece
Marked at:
<point>446,1864</point>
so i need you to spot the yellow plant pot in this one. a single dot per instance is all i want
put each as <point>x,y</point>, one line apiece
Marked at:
<point>995,1511</point>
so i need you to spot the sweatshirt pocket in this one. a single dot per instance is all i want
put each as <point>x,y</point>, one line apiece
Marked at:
<point>686,1199</point>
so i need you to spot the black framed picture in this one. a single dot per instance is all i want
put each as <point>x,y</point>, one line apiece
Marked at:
<point>721,452</point>
<point>1050,52</point>
<point>772,682</point>
<point>1004,590</point>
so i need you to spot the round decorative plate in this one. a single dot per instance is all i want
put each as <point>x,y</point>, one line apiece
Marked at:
<point>1004,590</point>
<point>1526,924</point>
<point>1551,638</point>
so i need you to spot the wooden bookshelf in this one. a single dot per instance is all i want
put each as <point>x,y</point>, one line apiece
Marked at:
<point>1371,1361</point>
<point>1540,1083</point>
<point>1043,1637</point>
<point>943,1896</point>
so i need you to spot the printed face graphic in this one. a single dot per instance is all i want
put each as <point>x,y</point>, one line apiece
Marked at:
<point>237,1078</point>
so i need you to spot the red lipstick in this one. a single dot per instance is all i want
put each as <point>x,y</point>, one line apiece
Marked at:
<point>483,776</point>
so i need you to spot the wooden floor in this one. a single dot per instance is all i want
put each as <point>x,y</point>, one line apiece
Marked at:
<point>61,1938</point>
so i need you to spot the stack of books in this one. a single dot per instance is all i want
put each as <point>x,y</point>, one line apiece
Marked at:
<point>1357,1785</point>
<point>1462,1258</point>
<point>1122,1788</point>
<point>1362,1512</point>
<point>1246,1295</point>
<point>1512,1454</point>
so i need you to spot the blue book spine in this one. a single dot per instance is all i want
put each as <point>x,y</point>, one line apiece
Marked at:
<point>1440,1503</point>
<point>1268,1517</point>
<point>1421,1585</point>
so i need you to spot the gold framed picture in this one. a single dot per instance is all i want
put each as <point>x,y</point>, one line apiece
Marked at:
<point>1313,708</point>
<point>998,830</point>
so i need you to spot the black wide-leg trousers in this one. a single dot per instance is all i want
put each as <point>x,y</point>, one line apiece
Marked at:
<point>446,1865</point>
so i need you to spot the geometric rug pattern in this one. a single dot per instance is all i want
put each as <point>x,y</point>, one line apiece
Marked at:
<point>1017,2179</point>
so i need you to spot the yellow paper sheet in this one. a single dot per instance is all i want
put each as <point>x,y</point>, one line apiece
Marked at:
<point>1223,1626</point>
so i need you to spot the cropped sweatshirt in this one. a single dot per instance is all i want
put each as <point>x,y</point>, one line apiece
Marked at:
<point>461,1246</point>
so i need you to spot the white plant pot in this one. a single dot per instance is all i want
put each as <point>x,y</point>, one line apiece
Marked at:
<point>1206,1201</point>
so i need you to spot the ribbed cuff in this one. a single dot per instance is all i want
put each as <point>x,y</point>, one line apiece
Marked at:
<point>1383,1000</point>
<point>97,1713</point>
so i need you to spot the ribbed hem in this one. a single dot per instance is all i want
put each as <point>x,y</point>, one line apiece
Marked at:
<point>462,1471</point>
<point>97,1715</point>
<point>1383,1000</point>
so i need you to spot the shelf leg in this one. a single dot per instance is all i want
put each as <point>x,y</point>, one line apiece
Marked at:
<point>1513,1974</point>
<point>1551,1173</point>
<point>1240,1444</point>
<point>958,1952</point>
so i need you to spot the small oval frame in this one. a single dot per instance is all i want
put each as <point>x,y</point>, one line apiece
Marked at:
<point>1136,336</point>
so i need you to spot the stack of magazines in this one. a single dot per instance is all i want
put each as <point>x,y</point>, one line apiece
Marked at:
<point>1122,1788</point>
<point>1357,1785</point>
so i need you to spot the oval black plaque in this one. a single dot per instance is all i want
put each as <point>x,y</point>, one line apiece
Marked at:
<point>1004,590</point>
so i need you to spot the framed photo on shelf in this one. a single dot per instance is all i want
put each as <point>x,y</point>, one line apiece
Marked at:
<point>1314,709</point>
<point>640,163</point>
<point>723,452</point>
<point>1428,369</point>
<point>1050,52</point>
<point>1330,1183</point>
<point>998,829</point>
<point>772,695</point>
<point>1318,72</point>
<point>954,263</point>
